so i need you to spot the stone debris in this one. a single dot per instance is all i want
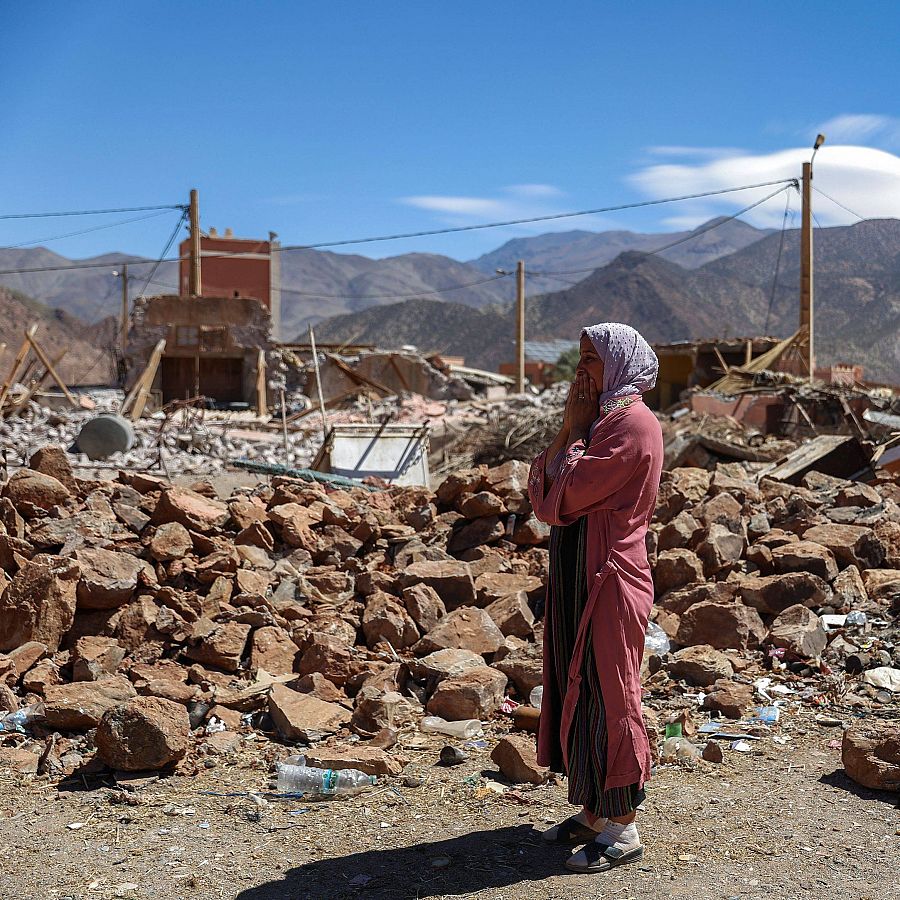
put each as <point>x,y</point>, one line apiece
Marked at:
<point>335,617</point>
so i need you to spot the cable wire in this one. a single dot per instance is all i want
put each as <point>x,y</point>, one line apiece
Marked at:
<point>166,249</point>
<point>841,205</point>
<point>455,230</point>
<point>88,212</point>
<point>688,237</point>
<point>787,207</point>
<point>59,237</point>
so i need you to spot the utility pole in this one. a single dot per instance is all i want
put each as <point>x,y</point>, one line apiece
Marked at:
<point>123,337</point>
<point>807,316</point>
<point>195,285</point>
<point>520,326</point>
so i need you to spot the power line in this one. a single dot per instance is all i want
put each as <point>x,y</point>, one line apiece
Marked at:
<point>841,205</point>
<point>689,237</point>
<point>88,212</point>
<point>169,242</point>
<point>787,207</point>
<point>436,231</point>
<point>59,237</point>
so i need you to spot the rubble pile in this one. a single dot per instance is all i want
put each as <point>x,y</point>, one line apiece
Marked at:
<point>148,626</point>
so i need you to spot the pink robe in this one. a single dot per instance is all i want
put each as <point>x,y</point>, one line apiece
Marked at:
<point>614,482</point>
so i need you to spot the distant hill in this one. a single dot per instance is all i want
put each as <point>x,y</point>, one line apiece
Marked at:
<point>86,360</point>
<point>591,249</point>
<point>857,302</point>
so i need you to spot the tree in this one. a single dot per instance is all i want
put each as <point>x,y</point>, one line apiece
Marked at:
<point>567,364</point>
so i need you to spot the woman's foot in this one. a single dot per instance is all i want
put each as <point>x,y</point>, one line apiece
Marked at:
<point>575,830</point>
<point>616,845</point>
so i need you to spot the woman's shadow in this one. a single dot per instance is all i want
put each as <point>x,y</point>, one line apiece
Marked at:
<point>477,861</point>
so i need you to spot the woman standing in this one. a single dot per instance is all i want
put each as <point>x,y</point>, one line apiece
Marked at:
<point>596,485</point>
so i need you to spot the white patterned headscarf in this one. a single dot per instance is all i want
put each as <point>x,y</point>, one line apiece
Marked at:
<point>629,363</point>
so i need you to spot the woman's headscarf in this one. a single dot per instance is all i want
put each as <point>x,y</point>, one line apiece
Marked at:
<point>629,363</point>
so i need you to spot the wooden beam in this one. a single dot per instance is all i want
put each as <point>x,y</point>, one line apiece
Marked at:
<point>20,357</point>
<point>35,386</point>
<point>39,352</point>
<point>141,388</point>
<point>262,407</point>
<point>721,359</point>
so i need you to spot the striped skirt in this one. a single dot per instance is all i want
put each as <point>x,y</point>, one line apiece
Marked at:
<point>567,593</point>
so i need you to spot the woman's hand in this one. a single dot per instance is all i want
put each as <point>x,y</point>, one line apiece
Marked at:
<point>582,408</point>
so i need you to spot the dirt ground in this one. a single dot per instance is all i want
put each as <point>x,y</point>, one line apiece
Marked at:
<point>780,821</point>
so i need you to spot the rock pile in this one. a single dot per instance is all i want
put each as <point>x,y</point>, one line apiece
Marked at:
<point>135,614</point>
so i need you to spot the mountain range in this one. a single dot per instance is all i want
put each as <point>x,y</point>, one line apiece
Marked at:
<point>716,281</point>
<point>317,284</point>
<point>857,303</point>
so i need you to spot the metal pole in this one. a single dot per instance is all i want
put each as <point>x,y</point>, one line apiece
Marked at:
<point>806,268</point>
<point>315,356</point>
<point>284,430</point>
<point>520,326</point>
<point>124,338</point>
<point>195,284</point>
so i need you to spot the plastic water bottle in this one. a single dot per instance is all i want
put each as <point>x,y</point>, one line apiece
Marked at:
<point>856,619</point>
<point>656,640</point>
<point>19,720</point>
<point>536,696</point>
<point>465,728</point>
<point>322,784</point>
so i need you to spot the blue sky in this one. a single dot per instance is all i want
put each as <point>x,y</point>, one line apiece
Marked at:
<point>336,120</point>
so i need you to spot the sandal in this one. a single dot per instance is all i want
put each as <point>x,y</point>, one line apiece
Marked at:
<point>602,857</point>
<point>570,831</point>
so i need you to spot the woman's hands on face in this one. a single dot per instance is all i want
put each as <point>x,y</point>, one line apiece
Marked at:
<point>581,407</point>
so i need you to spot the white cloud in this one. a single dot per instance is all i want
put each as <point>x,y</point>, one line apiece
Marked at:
<point>695,152</point>
<point>863,179</point>
<point>879,130</point>
<point>515,201</point>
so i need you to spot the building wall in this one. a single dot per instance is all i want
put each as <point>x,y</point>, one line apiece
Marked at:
<point>247,275</point>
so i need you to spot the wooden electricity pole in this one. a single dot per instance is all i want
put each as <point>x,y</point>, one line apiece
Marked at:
<point>806,268</point>
<point>195,285</point>
<point>520,326</point>
<point>123,338</point>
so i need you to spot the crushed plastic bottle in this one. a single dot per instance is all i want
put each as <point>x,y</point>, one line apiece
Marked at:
<point>678,749</point>
<point>856,619</point>
<point>536,696</point>
<point>656,640</point>
<point>20,719</point>
<point>463,729</point>
<point>321,784</point>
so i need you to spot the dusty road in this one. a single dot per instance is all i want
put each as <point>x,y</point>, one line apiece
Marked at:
<point>779,822</point>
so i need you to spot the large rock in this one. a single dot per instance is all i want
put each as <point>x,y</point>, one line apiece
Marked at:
<point>476,533</point>
<point>329,655</point>
<point>39,604</point>
<point>94,657</point>
<point>377,709</point>
<point>108,579</point>
<point>441,664</point>
<point>805,556</point>
<point>799,631</point>
<point>871,755</point>
<point>849,590</point>
<point>371,760</point>
<point>524,667</point>
<point>730,698</point>
<point>146,733</point>
<point>219,645</point>
<point>171,540</point>
<point>303,717</point>
<point>701,665</point>
<point>723,626</point>
<point>680,487</point>
<point>516,758</point>
<point>53,461</point>
<point>493,586</point>
<point>195,511</point>
<point>531,532</point>
<point>772,594</point>
<point>33,494</point>
<point>272,650</point>
<point>679,533</point>
<point>484,503</point>
<point>386,619</point>
<point>513,615</point>
<point>882,585</point>
<point>719,548</point>
<point>80,705</point>
<point>464,629</point>
<point>475,694</point>
<point>675,569</point>
<point>850,544</point>
<point>424,605</point>
<point>451,579</point>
